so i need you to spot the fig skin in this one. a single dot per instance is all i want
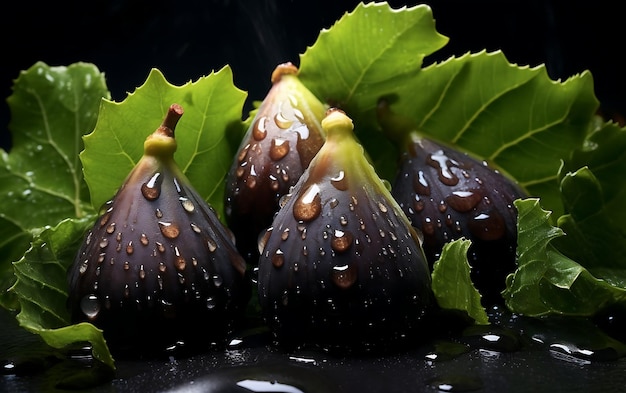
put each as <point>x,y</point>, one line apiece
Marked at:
<point>284,136</point>
<point>448,195</point>
<point>341,268</point>
<point>158,268</point>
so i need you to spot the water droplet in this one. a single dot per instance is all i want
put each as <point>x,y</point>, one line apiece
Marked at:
<point>420,184</point>
<point>428,227</point>
<point>195,228</point>
<point>344,276</point>
<point>142,272</point>
<point>104,242</point>
<point>309,204</point>
<point>218,280</point>
<point>382,207</point>
<point>341,240</point>
<point>210,303</point>
<point>418,204</point>
<point>443,164</point>
<point>160,247</point>
<point>278,259</point>
<point>129,248</point>
<point>258,131</point>
<point>158,213</point>
<point>105,218</point>
<point>285,234</point>
<point>243,153</point>
<point>463,201</point>
<point>152,188</point>
<point>143,239</point>
<point>187,204</point>
<point>343,221</point>
<point>211,244</point>
<point>339,181</point>
<point>111,228</point>
<point>83,267</point>
<point>169,230</point>
<point>90,306</point>
<point>487,226</point>
<point>279,149</point>
<point>180,263</point>
<point>280,119</point>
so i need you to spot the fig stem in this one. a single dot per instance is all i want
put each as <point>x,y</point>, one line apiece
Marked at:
<point>162,142</point>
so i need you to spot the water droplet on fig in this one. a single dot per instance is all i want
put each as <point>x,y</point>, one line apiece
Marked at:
<point>440,161</point>
<point>488,226</point>
<point>278,259</point>
<point>339,181</point>
<point>309,204</point>
<point>169,230</point>
<point>259,132</point>
<point>152,188</point>
<point>341,240</point>
<point>279,149</point>
<point>90,306</point>
<point>463,201</point>
<point>344,276</point>
<point>187,204</point>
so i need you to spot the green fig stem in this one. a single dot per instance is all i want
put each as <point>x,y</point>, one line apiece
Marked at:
<point>162,142</point>
<point>337,123</point>
<point>397,128</point>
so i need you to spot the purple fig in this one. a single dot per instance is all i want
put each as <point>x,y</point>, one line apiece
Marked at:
<point>158,267</point>
<point>283,137</point>
<point>447,195</point>
<point>341,267</point>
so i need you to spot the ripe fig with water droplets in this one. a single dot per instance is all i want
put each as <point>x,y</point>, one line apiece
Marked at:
<point>282,139</point>
<point>158,267</point>
<point>448,194</point>
<point>341,267</point>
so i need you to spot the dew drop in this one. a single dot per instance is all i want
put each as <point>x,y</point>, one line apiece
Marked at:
<point>143,239</point>
<point>111,228</point>
<point>152,188</point>
<point>104,242</point>
<point>309,204</point>
<point>281,121</point>
<point>126,265</point>
<point>243,153</point>
<point>158,213</point>
<point>218,281</point>
<point>195,228</point>
<point>442,163</point>
<point>463,201</point>
<point>279,149</point>
<point>344,276</point>
<point>263,238</point>
<point>382,207</point>
<point>169,230</point>
<point>211,244</point>
<point>160,247</point>
<point>285,234</point>
<point>187,204</point>
<point>105,218</point>
<point>142,272</point>
<point>210,303</point>
<point>428,227</point>
<point>90,306</point>
<point>420,184</point>
<point>278,259</point>
<point>180,263</point>
<point>259,132</point>
<point>129,248</point>
<point>341,240</point>
<point>339,181</point>
<point>489,226</point>
<point>333,203</point>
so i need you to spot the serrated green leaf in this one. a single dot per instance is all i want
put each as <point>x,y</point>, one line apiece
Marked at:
<point>41,178</point>
<point>547,282</point>
<point>514,117</point>
<point>41,288</point>
<point>452,285</point>
<point>368,52</point>
<point>212,108</point>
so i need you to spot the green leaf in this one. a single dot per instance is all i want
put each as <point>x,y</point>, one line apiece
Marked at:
<point>547,282</point>
<point>452,285</point>
<point>367,53</point>
<point>514,117</point>
<point>41,288</point>
<point>212,108</point>
<point>41,179</point>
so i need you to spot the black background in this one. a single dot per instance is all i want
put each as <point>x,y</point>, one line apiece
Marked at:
<point>189,39</point>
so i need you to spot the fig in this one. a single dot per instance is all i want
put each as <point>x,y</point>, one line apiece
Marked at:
<point>448,194</point>
<point>158,268</point>
<point>341,268</point>
<point>285,134</point>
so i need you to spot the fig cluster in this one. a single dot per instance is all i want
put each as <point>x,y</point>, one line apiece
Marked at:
<point>335,257</point>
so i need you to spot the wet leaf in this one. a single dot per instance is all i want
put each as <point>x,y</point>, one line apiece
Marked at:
<point>212,108</point>
<point>547,282</point>
<point>41,179</point>
<point>41,288</point>
<point>452,284</point>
